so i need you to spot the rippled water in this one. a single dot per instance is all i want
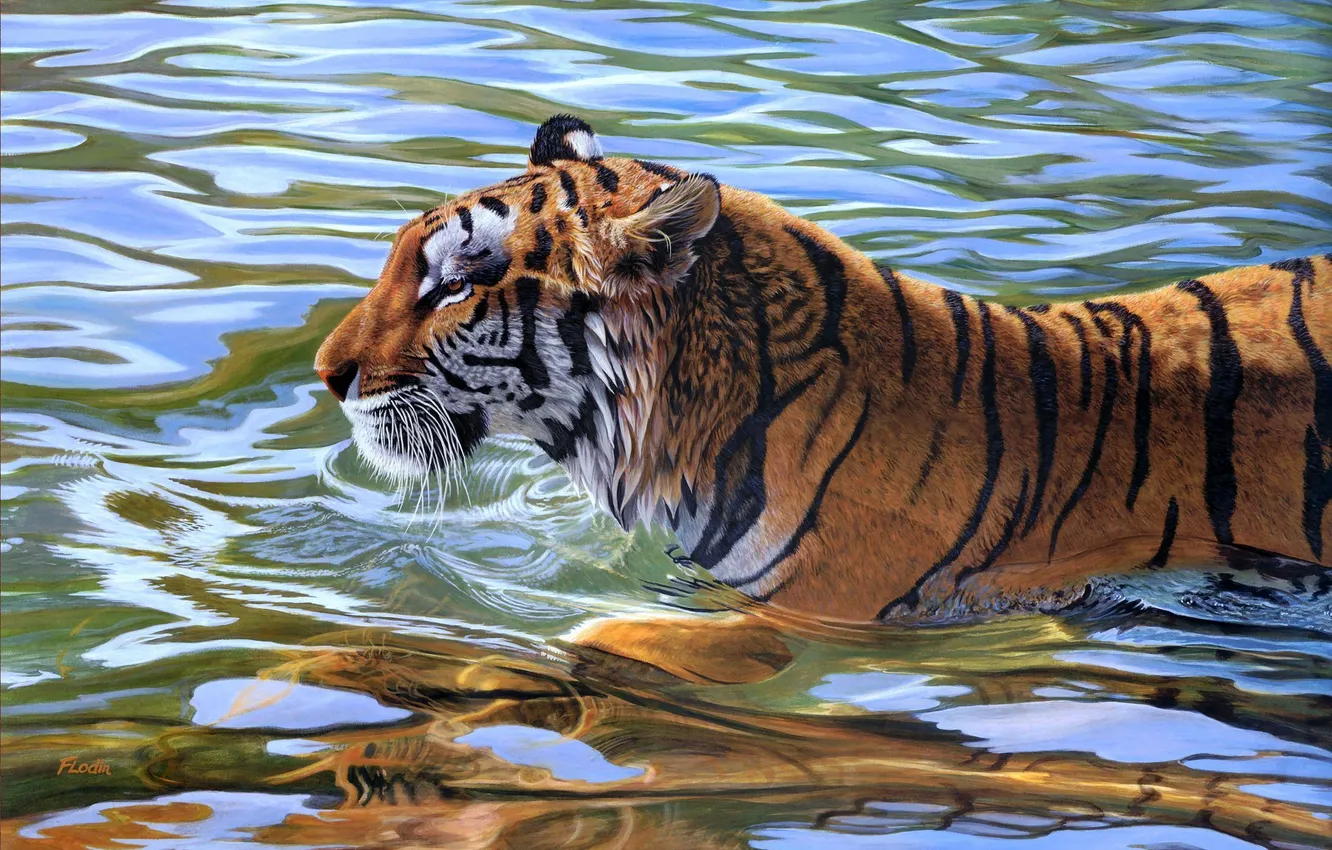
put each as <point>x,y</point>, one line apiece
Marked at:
<point>204,589</point>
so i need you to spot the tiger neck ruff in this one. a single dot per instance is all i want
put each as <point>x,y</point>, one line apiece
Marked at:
<point>825,433</point>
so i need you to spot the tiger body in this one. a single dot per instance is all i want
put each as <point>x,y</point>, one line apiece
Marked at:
<point>827,435</point>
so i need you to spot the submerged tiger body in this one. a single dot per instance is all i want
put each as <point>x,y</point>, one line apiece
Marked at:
<point>829,435</point>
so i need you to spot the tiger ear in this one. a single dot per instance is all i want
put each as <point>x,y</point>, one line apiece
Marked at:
<point>564,137</point>
<point>658,239</point>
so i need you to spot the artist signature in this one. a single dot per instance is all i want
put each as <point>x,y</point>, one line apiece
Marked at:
<point>71,765</point>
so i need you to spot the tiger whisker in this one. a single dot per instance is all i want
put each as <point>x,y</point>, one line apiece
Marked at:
<point>439,471</point>
<point>439,505</point>
<point>425,433</point>
<point>458,466</point>
<point>422,451</point>
<point>449,443</point>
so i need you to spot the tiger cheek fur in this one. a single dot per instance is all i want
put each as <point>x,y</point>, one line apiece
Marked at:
<point>826,434</point>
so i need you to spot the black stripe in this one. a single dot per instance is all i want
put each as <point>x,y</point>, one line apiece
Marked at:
<point>570,189</point>
<point>1227,381</point>
<point>490,273</point>
<point>962,322</point>
<point>660,170</point>
<point>931,457</point>
<point>538,199</point>
<point>1045,400</point>
<point>1142,405</point>
<point>567,263</point>
<point>1127,321</point>
<point>904,319</point>
<point>1084,400</point>
<point>793,318</point>
<point>832,275</point>
<point>994,453</point>
<point>478,314</point>
<point>1005,537</point>
<point>1318,364</point>
<point>458,381</point>
<point>812,515</point>
<point>746,452</point>
<point>530,364</point>
<point>427,303</point>
<point>609,180</point>
<point>1094,456</point>
<point>504,318</point>
<point>1167,536</point>
<point>1317,437</point>
<point>434,360</point>
<point>495,205</point>
<point>1317,491</point>
<point>537,257</point>
<point>564,438</point>
<point>570,327</point>
<point>582,216</point>
<point>688,496</point>
<point>465,219</point>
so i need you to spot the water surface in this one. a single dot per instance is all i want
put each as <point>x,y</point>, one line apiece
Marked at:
<point>205,589</point>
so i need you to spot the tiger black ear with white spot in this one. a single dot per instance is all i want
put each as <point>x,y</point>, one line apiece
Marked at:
<point>565,137</point>
<point>657,243</point>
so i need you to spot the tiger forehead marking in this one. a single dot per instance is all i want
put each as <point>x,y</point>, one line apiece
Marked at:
<point>830,435</point>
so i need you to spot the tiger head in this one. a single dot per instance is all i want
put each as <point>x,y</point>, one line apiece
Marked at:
<point>487,316</point>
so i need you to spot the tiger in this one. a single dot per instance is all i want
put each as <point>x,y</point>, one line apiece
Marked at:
<point>825,434</point>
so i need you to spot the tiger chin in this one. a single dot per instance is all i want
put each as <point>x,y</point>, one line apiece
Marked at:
<point>828,435</point>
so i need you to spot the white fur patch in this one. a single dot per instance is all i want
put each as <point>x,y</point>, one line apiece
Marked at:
<point>584,144</point>
<point>489,229</point>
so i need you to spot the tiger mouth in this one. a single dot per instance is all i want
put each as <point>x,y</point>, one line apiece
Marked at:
<point>408,435</point>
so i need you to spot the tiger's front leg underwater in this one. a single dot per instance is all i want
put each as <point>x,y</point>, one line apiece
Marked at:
<point>824,434</point>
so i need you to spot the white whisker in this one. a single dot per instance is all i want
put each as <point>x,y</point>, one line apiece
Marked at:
<point>448,442</point>
<point>459,467</point>
<point>423,452</point>
<point>410,441</point>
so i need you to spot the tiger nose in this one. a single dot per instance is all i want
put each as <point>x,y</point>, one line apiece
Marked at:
<point>341,381</point>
